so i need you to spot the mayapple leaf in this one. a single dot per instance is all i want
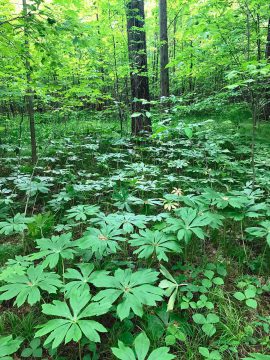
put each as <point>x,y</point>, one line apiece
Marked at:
<point>9,346</point>
<point>155,243</point>
<point>134,289</point>
<point>27,287</point>
<point>140,351</point>
<point>74,319</point>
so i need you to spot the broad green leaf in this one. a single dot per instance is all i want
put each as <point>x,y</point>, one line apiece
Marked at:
<point>142,345</point>
<point>161,353</point>
<point>250,293</point>
<point>252,303</point>
<point>156,243</point>
<point>141,348</point>
<point>123,352</point>
<point>188,132</point>
<point>199,319</point>
<point>134,289</point>
<point>239,296</point>
<point>209,329</point>
<point>27,287</point>
<point>70,326</point>
<point>9,346</point>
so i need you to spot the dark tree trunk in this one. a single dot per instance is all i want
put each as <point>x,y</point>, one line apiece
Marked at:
<point>267,49</point>
<point>258,33</point>
<point>164,56</point>
<point>29,96</point>
<point>156,65</point>
<point>267,56</point>
<point>191,67</point>
<point>174,43</point>
<point>138,67</point>
<point>248,36</point>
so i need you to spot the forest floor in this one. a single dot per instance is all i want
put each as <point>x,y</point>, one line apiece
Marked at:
<point>181,204</point>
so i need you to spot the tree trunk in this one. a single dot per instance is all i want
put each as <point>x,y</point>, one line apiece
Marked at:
<point>138,67</point>
<point>258,35</point>
<point>248,36</point>
<point>267,56</point>
<point>164,56</point>
<point>174,43</point>
<point>267,49</point>
<point>29,96</point>
<point>191,67</point>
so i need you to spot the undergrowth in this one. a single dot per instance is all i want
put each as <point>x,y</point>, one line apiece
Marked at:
<point>156,248</point>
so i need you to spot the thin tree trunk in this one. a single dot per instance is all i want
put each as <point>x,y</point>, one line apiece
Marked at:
<point>191,67</point>
<point>248,36</point>
<point>138,67</point>
<point>258,33</point>
<point>155,63</point>
<point>267,48</point>
<point>29,96</point>
<point>164,56</point>
<point>267,56</point>
<point>174,43</point>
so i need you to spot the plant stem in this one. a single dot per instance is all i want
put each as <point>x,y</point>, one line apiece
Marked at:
<point>80,351</point>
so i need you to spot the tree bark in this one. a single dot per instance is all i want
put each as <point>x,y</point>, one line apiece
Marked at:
<point>164,56</point>
<point>138,67</point>
<point>191,67</point>
<point>29,96</point>
<point>267,49</point>
<point>174,43</point>
<point>258,35</point>
<point>248,36</point>
<point>267,56</point>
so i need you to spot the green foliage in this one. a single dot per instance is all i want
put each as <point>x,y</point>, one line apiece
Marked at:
<point>257,356</point>
<point>211,279</point>
<point>141,349</point>
<point>81,212</point>
<point>207,322</point>
<point>171,286</point>
<point>156,243</point>
<point>41,225</point>
<point>73,321</point>
<point>134,289</point>
<point>27,287</point>
<point>32,188</point>
<point>188,222</point>
<point>79,280</point>
<point>210,355</point>
<point>261,231</point>
<point>122,207</point>
<point>248,295</point>
<point>174,334</point>
<point>55,249</point>
<point>127,221</point>
<point>8,346</point>
<point>16,225</point>
<point>188,132</point>
<point>33,350</point>
<point>101,242</point>
<point>115,260</point>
